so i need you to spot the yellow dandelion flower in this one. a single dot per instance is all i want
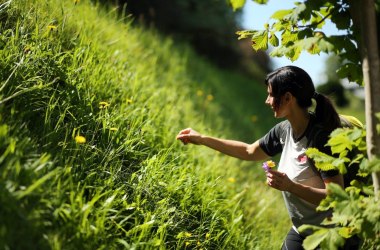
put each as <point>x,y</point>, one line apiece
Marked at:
<point>210,98</point>
<point>268,165</point>
<point>208,235</point>
<point>51,27</point>
<point>187,243</point>
<point>103,105</point>
<point>188,234</point>
<point>80,139</point>
<point>199,93</point>
<point>231,179</point>
<point>271,164</point>
<point>113,129</point>
<point>129,101</point>
<point>198,243</point>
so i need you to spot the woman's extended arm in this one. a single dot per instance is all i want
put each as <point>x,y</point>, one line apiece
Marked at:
<point>238,149</point>
<point>280,181</point>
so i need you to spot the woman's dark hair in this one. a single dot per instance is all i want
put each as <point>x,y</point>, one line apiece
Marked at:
<point>296,81</point>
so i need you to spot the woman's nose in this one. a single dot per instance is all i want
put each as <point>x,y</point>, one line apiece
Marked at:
<point>267,100</point>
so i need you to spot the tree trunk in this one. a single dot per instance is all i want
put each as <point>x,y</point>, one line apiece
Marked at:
<point>371,76</point>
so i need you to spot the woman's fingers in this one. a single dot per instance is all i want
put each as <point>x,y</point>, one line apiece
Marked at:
<point>278,180</point>
<point>184,140</point>
<point>187,135</point>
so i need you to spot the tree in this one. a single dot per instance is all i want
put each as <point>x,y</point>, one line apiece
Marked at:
<point>301,29</point>
<point>364,17</point>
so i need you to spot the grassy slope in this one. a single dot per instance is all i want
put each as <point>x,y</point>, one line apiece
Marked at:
<point>130,184</point>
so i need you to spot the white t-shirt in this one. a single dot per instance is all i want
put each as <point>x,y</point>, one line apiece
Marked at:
<point>297,167</point>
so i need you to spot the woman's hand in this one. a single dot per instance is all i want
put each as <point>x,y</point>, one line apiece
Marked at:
<point>279,180</point>
<point>189,135</point>
<point>232,148</point>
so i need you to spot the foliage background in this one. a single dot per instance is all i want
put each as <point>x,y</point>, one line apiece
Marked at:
<point>209,26</point>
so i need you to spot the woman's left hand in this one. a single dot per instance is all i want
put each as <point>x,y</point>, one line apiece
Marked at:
<point>279,180</point>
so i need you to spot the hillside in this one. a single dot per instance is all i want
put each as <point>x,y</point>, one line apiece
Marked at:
<point>90,106</point>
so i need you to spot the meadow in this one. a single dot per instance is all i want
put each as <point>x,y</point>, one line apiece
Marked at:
<point>90,106</point>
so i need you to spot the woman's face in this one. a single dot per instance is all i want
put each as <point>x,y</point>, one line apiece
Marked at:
<point>279,111</point>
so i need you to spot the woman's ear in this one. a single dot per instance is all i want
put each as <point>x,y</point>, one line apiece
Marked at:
<point>288,96</point>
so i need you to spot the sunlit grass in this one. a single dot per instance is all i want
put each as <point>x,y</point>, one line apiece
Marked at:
<point>90,107</point>
<point>355,108</point>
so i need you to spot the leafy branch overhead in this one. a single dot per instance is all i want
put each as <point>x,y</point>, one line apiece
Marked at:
<point>291,31</point>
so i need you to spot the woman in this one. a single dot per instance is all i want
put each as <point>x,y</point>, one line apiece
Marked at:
<point>290,93</point>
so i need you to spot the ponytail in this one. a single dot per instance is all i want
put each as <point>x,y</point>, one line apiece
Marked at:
<point>325,112</point>
<point>296,81</point>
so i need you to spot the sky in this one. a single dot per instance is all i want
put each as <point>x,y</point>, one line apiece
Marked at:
<point>256,15</point>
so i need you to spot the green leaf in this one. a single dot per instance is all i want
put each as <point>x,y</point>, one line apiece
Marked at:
<point>245,34</point>
<point>305,33</point>
<point>345,43</point>
<point>317,20</point>
<point>373,165</point>
<point>314,240</point>
<point>342,20</point>
<point>352,71</point>
<point>318,4</point>
<point>273,40</point>
<point>355,134</point>
<point>261,1</point>
<point>311,45</point>
<point>260,40</point>
<point>281,14</point>
<point>282,26</point>
<point>322,161</point>
<point>356,159</point>
<point>237,4</point>
<point>299,13</point>
<point>288,38</point>
<point>340,141</point>
<point>333,240</point>
<point>293,52</point>
<point>325,166</point>
<point>325,45</point>
<point>372,212</point>
<point>338,163</point>
<point>279,51</point>
<point>353,189</point>
<point>337,191</point>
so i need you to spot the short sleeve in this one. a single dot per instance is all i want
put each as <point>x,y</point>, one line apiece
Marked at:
<point>271,142</point>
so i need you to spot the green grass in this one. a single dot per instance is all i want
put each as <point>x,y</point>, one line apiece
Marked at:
<point>131,184</point>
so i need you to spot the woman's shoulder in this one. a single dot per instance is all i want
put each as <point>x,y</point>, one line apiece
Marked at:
<point>282,127</point>
<point>285,124</point>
